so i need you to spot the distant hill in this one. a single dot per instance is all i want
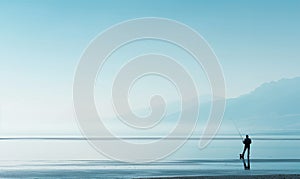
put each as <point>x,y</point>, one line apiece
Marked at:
<point>272,108</point>
<point>274,105</point>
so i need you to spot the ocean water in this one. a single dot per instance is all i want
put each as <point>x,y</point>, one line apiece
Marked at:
<point>270,154</point>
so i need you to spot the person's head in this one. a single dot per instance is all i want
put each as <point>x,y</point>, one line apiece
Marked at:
<point>247,136</point>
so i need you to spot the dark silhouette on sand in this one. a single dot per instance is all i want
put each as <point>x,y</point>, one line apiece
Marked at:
<point>247,141</point>
<point>246,166</point>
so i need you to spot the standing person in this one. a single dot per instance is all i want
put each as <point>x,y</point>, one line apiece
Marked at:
<point>246,142</point>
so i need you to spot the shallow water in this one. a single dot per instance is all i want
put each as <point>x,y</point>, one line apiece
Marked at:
<point>109,169</point>
<point>269,155</point>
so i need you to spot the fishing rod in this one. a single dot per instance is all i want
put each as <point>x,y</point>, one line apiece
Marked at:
<point>236,127</point>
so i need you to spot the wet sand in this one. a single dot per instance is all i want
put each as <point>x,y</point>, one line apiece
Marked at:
<point>284,176</point>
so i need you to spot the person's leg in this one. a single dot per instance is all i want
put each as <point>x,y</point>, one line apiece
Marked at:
<point>248,158</point>
<point>248,154</point>
<point>244,151</point>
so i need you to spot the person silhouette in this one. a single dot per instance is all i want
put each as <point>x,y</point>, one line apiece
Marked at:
<point>246,142</point>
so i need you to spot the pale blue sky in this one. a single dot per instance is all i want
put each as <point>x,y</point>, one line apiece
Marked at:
<point>255,41</point>
<point>41,43</point>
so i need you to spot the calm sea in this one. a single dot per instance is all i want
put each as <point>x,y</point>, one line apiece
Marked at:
<point>270,154</point>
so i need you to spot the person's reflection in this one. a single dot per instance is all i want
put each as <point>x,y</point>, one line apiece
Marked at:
<point>246,166</point>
